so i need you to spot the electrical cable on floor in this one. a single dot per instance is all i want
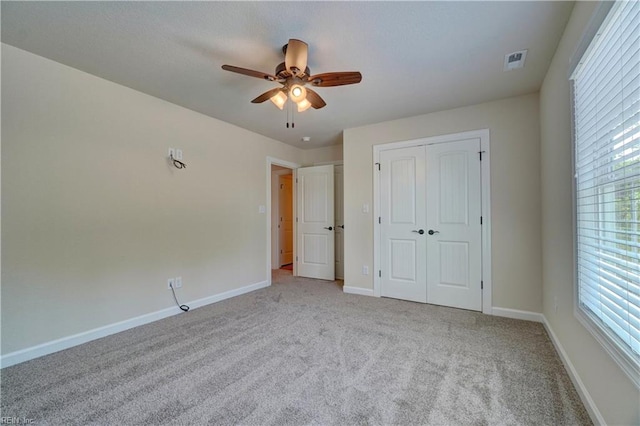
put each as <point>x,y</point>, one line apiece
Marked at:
<point>183,307</point>
<point>177,163</point>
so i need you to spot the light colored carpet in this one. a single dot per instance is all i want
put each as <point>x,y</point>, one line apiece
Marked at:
<point>302,352</point>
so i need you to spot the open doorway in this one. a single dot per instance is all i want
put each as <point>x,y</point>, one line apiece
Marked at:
<point>282,218</point>
<point>283,241</point>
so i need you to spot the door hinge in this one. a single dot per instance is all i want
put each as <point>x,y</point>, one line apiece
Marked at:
<point>296,180</point>
<point>378,164</point>
<point>379,219</point>
<point>481,152</point>
<point>280,251</point>
<point>481,285</point>
<point>296,258</point>
<point>296,220</point>
<point>480,220</point>
<point>281,186</point>
<point>380,273</point>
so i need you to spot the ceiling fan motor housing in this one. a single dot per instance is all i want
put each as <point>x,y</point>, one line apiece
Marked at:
<point>295,56</point>
<point>282,72</point>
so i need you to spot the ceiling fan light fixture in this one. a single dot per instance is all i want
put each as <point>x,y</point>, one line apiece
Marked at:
<point>298,93</point>
<point>303,105</point>
<point>279,99</point>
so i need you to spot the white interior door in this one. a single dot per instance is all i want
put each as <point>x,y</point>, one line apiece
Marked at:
<point>339,218</point>
<point>285,221</point>
<point>454,231</point>
<point>403,250</point>
<point>315,222</point>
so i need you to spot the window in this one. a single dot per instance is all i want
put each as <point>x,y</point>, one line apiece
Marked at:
<point>606,97</point>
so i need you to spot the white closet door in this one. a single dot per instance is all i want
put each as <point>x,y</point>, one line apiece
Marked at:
<point>454,231</point>
<point>402,206</point>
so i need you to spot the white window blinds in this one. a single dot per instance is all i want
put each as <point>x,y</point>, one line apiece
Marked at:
<point>607,166</point>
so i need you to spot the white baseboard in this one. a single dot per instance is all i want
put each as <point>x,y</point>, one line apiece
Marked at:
<point>358,290</point>
<point>591,407</point>
<point>517,314</point>
<point>97,333</point>
<point>227,294</point>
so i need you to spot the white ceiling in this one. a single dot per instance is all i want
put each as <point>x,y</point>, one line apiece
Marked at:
<point>415,57</point>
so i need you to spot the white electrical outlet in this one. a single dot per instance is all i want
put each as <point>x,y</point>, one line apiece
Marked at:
<point>171,283</point>
<point>178,282</point>
<point>172,153</point>
<point>178,154</point>
<point>365,270</point>
<point>365,208</point>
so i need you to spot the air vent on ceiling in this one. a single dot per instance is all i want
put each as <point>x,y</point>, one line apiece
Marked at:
<point>514,60</point>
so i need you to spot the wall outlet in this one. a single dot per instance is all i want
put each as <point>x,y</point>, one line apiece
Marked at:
<point>178,154</point>
<point>365,270</point>
<point>171,283</point>
<point>178,282</point>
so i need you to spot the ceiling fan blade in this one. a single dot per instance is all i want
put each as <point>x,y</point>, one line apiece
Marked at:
<point>314,99</point>
<point>266,95</point>
<point>250,73</point>
<point>295,58</point>
<point>335,78</point>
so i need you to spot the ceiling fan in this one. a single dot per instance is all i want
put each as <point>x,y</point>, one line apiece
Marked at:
<point>294,75</point>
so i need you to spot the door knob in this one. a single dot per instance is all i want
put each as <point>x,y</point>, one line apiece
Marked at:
<point>330,228</point>
<point>419,231</point>
<point>431,232</point>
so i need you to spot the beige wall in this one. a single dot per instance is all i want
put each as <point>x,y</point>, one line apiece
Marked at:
<point>322,155</point>
<point>613,393</point>
<point>515,191</point>
<point>95,219</point>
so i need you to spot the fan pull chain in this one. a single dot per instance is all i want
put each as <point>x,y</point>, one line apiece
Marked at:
<point>287,107</point>
<point>290,111</point>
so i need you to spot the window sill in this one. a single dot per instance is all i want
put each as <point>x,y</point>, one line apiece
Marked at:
<point>630,366</point>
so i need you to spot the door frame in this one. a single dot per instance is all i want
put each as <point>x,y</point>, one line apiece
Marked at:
<point>293,166</point>
<point>485,176</point>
